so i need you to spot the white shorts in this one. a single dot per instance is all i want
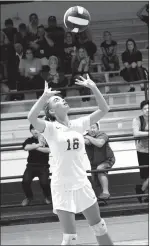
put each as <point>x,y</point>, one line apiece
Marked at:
<point>74,201</point>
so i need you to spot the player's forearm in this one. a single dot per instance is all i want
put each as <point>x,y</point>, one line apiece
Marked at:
<point>102,104</point>
<point>37,107</point>
<point>44,149</point>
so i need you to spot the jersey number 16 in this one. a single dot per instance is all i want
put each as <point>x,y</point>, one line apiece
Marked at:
<point>75,144</point>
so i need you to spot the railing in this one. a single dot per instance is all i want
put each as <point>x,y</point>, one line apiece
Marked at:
<point>114,138</point>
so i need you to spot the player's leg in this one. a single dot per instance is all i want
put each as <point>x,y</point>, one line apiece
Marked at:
<point>26,185</point>
<point>92,214</point>
<point>45,183</point>
<point>67,221</point>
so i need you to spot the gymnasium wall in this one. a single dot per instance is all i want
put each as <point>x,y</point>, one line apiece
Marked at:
<point>99,10</point>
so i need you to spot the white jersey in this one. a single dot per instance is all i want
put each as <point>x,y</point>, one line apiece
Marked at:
<point>68,150</point>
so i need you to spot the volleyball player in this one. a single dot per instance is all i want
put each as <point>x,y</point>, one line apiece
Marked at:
<point>71,190</point>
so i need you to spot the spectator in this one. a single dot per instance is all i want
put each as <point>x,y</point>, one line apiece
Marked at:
<point>132,61</point>
<point>144,18</point>
<point>57,35</point>
<point>37,166</point>
<point>10,30</point>
<point>56,79</point>
<point>22,36</point>
<point>4,45</point>
<point>141,129</point>
<point>109,50</point>
<point>81,66</point>
<point>69,48</point>
<point>84,39</point>
<point>100,155</point>
<point>3,86</point>
<point>30,68</point>
<point>33,25</point>
<point>44,44</point>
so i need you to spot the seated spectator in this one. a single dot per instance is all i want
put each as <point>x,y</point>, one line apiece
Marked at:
<point>30,68</point>
<point>132,61</point>
<point>3,85</point>
<point>109,50</point>
<point>37,166</point>
<point>101,157</point>
<point>57,35</point>
<point>22,36</point>
<point>144,18</point>
<point>10,30</point>
<point>81,66</point>
<point>69,48</point>
<point>4,45</point>
<point>84,39</point>
<point>141,129</point>
<point>45,45</point>
<point>56,79</point>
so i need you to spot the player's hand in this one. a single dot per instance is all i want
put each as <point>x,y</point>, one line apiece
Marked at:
<point>85,82</point>
<point>48,91</point>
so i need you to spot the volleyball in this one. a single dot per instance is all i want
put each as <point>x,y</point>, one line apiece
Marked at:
<point>77,19</point>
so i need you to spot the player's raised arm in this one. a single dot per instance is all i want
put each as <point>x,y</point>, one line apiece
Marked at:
<point>37,107</point>
<point>103,106</point>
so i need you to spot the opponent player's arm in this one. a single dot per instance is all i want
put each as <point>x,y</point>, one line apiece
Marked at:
<point>136,131</point>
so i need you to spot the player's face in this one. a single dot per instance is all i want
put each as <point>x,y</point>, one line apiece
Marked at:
<point>59,106</point>
<point>130,45</point>
<point>35,133</point>
<point>145,110</point>
<point>93,130</point>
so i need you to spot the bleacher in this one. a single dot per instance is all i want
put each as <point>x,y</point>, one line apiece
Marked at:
<point>116,122</point>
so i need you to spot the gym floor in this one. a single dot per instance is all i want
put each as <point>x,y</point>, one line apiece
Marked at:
<point>124,230</point>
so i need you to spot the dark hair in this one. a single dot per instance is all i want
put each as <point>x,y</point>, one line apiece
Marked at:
<point>30,16</point>
<point>9,22</point>
<point>31,127</point>
<point>143,103</point>
<point>22,26</point>
<point>131,40</point>
<point>104,33</point>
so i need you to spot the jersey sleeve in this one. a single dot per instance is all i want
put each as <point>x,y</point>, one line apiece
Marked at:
<point>82,124</point>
